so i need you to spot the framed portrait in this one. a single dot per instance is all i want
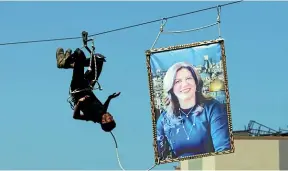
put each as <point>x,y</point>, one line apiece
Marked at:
<point>190,102</point>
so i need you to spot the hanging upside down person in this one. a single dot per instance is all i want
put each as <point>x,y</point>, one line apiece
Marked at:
<point>85,101</point>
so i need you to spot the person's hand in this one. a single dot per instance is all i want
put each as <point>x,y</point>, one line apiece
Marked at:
<point>114,95</point>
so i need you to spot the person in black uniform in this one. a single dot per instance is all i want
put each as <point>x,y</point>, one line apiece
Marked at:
<point>86,101</point>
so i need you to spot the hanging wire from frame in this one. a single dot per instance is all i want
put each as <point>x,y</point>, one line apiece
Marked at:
<point>164,21</point>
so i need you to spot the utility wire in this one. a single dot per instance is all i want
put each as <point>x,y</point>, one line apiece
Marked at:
<point>123,28</point>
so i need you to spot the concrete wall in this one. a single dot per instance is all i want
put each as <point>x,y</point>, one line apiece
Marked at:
<point>283,145</point>
<point>251,153</point>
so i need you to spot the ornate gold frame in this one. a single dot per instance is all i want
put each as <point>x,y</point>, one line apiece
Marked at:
<point>170,48</point>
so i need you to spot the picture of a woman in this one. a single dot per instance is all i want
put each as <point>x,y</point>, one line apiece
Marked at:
<point>191,123</point>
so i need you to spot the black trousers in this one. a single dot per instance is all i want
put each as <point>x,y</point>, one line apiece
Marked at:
<point>81,80</point>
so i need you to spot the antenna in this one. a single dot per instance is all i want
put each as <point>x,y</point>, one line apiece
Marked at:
<point>257,129</point>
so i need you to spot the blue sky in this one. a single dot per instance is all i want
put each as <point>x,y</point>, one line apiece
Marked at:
<point>36,126</point>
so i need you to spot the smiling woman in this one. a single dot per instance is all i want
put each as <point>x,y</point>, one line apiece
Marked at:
<point>192,123</point>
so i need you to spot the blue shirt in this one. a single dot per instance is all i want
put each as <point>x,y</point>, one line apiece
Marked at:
<point>208,131</point>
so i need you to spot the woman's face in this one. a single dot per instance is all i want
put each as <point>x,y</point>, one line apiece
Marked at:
<point>184,87</point>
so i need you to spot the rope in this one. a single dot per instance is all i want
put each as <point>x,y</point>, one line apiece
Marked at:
<point>71,99</point>
<point>219,20</point>
<point>93,56</point>
<point>117,153</point>
<point>164,20</point>
<point>119,29</point>
<point>118,158</point>
<point>195,29</point>
<point>95,66</point>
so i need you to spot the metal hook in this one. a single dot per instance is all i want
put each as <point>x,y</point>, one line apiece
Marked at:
<point>84,37</point>
<point>163,22</point>
<point>85,40</point>
<point>218,13</point>
<point>219,20</point>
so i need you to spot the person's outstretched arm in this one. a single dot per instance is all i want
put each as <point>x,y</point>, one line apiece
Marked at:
<point>76,114</point>
<point>106,104</point>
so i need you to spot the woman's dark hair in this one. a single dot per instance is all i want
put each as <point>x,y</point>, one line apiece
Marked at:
<point>199,96</point>
<point>108,127</point>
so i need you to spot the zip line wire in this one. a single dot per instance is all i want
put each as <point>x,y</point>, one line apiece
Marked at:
<point>123,28</point>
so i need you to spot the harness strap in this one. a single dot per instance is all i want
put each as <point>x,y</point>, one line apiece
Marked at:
<point>93,56</point>
<point>71,98</point>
